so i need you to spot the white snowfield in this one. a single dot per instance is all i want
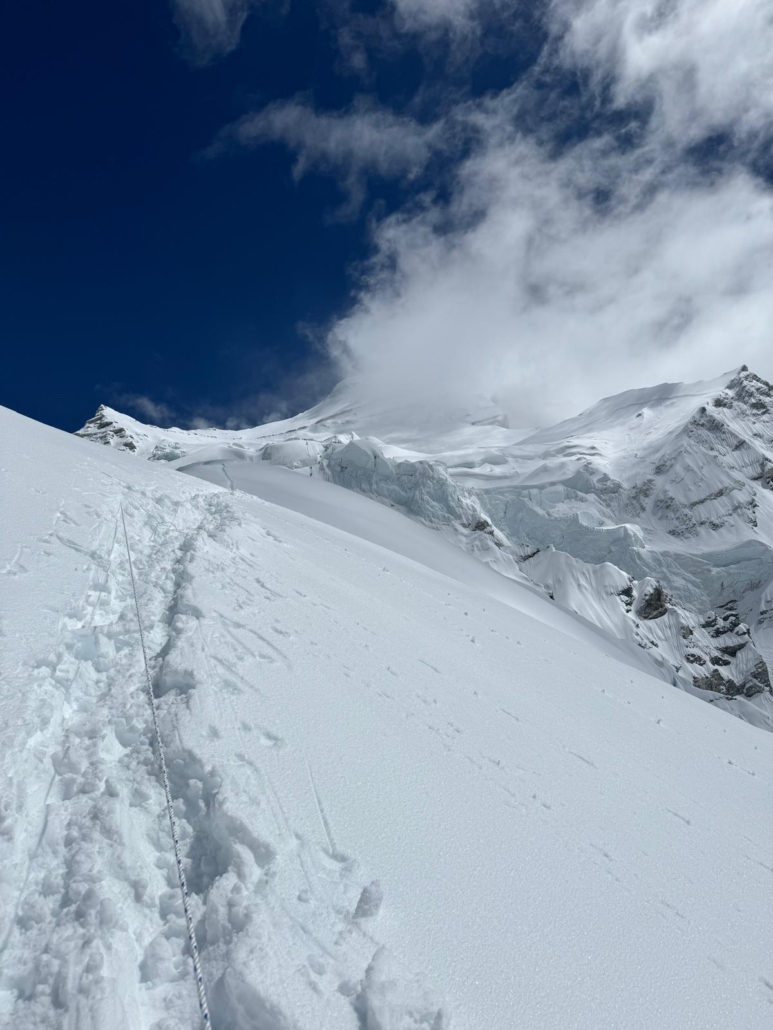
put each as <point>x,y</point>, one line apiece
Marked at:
<point>650,515</point>
<point>404,802</point>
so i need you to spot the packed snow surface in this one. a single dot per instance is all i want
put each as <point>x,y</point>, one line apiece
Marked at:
<point>404,802</point>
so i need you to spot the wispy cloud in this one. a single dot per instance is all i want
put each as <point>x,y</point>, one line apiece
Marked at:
<point>605,221</point>
<point>707,65</point>
<point>352,145</point>
<point>421,15</point>
<point>210,28</point>
<point>525,287</point>
<point>158,412</point>
<point>639,251</point>
<point>286,391</point>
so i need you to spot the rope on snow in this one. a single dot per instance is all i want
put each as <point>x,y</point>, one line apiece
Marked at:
<point>170,811</point>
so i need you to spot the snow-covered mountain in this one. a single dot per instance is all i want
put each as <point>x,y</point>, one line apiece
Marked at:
<point>650,515</point>
<point>410,791</point>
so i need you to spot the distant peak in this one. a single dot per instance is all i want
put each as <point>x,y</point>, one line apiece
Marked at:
<point>747,388</point>
<point>105,427</point>
<point>744,375</point>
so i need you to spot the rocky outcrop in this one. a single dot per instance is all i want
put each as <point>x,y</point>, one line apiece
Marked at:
<point>101,428</point>
<point>653,603</point>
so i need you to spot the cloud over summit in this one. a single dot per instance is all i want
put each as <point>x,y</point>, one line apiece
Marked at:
<point>557,272</point>
<point>603,221</point>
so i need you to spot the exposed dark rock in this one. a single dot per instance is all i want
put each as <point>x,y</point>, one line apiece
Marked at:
<point>731,650</point>
<point>718,659</point>
<point>752,390</point>
<point>717,683</point>
<point>723,491</point>
<point>101,429</point>
<point>694,659</point>
<point>759,679</point>
<point>633,503</point>
<point>728,623</point>
<point>757,682</point>
<point>765,475</point>
<point>484,525</point>
<point>654,604</point>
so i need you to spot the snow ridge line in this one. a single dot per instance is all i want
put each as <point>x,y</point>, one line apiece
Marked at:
<point>167,790</point>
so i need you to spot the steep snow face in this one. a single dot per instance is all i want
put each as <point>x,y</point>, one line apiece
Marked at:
<point>671,485</point>
<point>402,802</point>
<point>674,486</point>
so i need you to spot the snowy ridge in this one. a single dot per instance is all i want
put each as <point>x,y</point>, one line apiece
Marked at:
<point>670,487</point>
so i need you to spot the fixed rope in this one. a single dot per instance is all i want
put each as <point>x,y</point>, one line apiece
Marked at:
<point>170,811</point>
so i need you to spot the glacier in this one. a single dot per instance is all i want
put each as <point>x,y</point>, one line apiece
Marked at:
<point>667,490</point>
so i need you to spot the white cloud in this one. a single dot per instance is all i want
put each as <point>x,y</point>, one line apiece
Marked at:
<point>157,411</point>
<point>555,280</point>
<point>707,64</point>
<point>210,28</point>
<point>353,144</point>
<point>525,288</point>
<point>553,275</point>
<point>423,14</point>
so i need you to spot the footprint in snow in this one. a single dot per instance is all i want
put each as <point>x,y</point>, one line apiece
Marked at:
<point>15,567</point>
<point>269,739</point>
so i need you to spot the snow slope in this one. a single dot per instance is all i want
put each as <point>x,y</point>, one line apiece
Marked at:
<point>403,802</point>
<point>365,518</point>
<point>650,515</point>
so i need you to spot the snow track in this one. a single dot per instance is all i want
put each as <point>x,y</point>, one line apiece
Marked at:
<point>192,942</point>
<point>100,843</point>
<point>97,934</point>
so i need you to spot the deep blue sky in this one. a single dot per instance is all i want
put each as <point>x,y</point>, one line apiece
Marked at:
<point>136,264</point>
<point>129,265</point>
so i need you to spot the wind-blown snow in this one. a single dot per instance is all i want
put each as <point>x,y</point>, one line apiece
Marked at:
<point>403,802</point>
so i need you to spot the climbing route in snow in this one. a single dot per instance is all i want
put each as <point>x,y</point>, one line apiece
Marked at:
<point>200,988</point>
